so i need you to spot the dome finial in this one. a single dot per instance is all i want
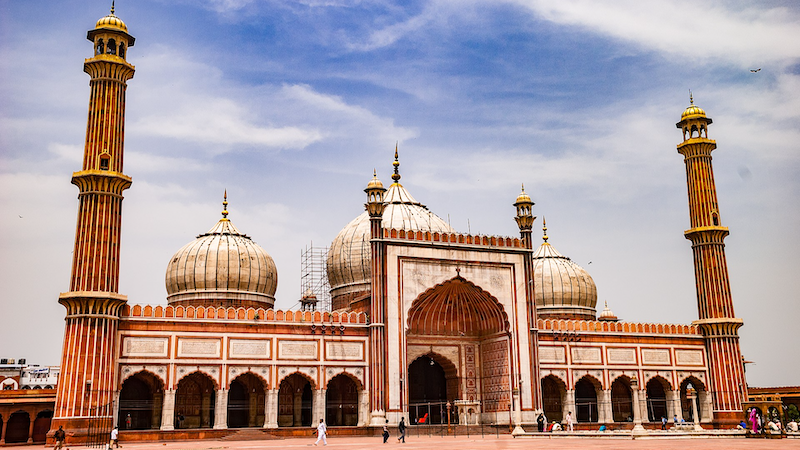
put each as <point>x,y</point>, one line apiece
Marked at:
<point>112,7</point>
<point>396,164</point>
<point>225,205</point>
<point>544,229</point>
<point>691,99</point>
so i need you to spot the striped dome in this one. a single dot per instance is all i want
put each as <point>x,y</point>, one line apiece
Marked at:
<point>222,267</point>
<point>562,288</point>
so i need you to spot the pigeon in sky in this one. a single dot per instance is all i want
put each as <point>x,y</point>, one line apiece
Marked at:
<point>755,70</point>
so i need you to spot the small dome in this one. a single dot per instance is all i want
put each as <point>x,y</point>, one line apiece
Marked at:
<point>222,267</point>
<point>562,288</point>
<point>607,315</point>
<point>374,182</point>
<point>693,111</point>
<point>112,21</point>
<point>523,197</point>
<point>350,255</point>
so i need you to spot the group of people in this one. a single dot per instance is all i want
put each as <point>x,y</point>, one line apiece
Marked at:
<point>322,432</point>
<point>757,425</point>
<point>542,425</point>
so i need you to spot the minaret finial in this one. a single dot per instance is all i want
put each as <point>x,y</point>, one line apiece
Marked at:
<point>396,164</point>
<point>544,229</point>
<point>523,187</point>
<point>225,205</point>
<point>112,7</point>
<point>691,99</point>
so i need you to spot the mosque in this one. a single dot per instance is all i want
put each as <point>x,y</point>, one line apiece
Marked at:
<point>427,324</point>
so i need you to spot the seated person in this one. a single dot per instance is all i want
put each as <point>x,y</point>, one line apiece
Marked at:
<point>774,426</point>
<point>602,428</point>
<point>792,426</point>
<point>556,427</point>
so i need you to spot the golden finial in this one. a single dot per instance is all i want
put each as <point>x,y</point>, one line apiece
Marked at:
<point>112,7</point>
<point>691,99</point>
<point>523,187</point>
<point>544,229</point>
<point>225,205</point>
<point>396,164</point>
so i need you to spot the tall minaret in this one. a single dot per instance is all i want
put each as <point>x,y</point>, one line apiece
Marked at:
<point>87,383</point>
<point>377,328</point>
<point>718,322</point>
<point>525,219</point>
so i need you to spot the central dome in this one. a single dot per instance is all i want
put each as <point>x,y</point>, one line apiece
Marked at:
<point>562,289</point>
<point>222,267</point>
<point>349,257</point>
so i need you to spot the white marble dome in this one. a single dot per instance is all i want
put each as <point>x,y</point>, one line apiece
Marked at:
<point>562,288</point>
<point>222,267</point>
<point>349,257</point>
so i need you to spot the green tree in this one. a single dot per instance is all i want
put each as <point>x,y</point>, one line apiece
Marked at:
<point>793,412</point>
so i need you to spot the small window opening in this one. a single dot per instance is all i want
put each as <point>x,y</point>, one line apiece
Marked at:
<point>694,127</point>
<point>104,160</point>
<point>715,219</point>
<point>121,50</point>
<point>112,47</point>
<point>100,47</point>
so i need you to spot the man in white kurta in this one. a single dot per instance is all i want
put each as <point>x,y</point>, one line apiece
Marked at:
<point>321,429</point>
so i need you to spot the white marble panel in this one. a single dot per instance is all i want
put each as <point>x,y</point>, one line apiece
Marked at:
<point>689,357</point>
<point>344,351</point>
<point>621,355</point>
<point>199,347</point>
<point>249,348</point>
<point>145,346</point>
<point>552,354</point>
<point>297,349</point>
<point>586,355</point>
<point>655,356</point>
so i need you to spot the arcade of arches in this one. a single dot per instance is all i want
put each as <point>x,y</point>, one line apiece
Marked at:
<point>18,428</point>
<point>589,402</point>
<point>458,350</point>
<point>244,404</point>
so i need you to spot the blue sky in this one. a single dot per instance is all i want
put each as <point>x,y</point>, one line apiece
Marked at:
<point>290,105</point>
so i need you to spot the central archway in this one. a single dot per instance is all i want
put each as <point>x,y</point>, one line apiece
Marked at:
<point>452,318</point>
<point>341,401</point>
<point>586,399</point>
<point>140,402</point>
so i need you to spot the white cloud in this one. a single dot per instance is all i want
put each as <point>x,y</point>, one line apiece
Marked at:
<point>748,36</point>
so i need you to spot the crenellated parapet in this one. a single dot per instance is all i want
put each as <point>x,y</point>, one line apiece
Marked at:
<point>191,313</point>
<point>616,327</point>
<point>453,238</point>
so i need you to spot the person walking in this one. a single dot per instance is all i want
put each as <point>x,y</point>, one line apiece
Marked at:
<point>386,431</point>
<point>114,438</point>
<point>59,436</point>
<point>663,422</point>
<point>569,422</point>
<point>322,431</point>
<point>540,422</point>
<point>402,429</point>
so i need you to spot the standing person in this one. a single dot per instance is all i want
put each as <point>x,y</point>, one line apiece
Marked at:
<point>128,422</point>
<point>675,420</point>
<point>540,422</point>
<point>114,438</point>
<point>753,420</point>
<point>59,436</point>
<point>386,431</point>
<point>402,429</point>
<point>569,422</point>
<point>663,422</point>
<point>321,433</point>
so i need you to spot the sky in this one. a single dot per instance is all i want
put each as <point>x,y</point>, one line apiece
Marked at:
<point>290,105</point>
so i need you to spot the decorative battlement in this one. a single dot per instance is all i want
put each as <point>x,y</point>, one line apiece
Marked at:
<point>231,313</point>
<point>616,327</point>
<point>453,238</point>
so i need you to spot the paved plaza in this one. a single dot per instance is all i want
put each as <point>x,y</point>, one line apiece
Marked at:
<point>465,443</point>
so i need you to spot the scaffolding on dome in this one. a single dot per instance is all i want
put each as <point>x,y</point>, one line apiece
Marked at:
<point>315,290</point>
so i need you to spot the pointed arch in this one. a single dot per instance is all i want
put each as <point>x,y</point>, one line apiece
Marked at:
<point>457,307</point>
<point>304,375</point>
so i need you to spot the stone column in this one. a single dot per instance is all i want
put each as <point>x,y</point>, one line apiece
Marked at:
<point>3,431</point>
<point>569,405</point>
<point>636,407</point>
<point>168,411</point>
<point>604,411</point>
<point>706,414</point>
<point>363,408</point>
<point>221,410</point>
<point>678,408</point>
<point>252,409</point>
<point>690,393</point>
<point>115,409</point>
<point>517,413</point>
<point>30,428</point>
<point>318,406</point>
<point>670,396</point>
<point>271,409</point>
